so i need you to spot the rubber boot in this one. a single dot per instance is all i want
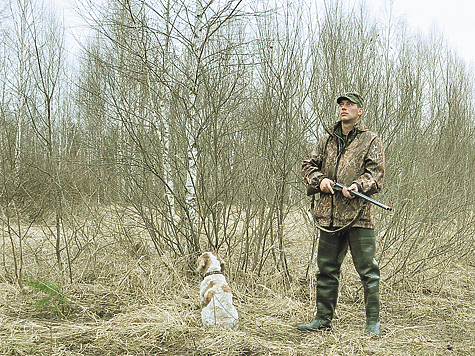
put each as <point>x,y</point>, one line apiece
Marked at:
<point>362,243</point>
<point>373,326</point>
<point>326,300</point>
<point>315,325</point>
<point>331,252</point>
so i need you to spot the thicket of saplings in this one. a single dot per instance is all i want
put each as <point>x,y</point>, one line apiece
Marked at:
<point>174,131</point>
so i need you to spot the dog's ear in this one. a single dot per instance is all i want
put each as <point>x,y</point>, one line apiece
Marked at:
<point>203,262</point>
<point>221,262</point>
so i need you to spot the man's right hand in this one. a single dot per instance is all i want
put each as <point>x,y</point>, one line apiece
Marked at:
<point>326,186</point>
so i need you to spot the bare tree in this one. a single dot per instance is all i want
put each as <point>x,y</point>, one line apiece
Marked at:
<point>35,56</point>
<point>178,104</point>
<point>192,118</point>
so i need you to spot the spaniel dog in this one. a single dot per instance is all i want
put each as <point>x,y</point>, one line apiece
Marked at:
<point>216,296</point>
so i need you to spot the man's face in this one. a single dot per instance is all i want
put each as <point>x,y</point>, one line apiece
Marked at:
<point>349,111</point>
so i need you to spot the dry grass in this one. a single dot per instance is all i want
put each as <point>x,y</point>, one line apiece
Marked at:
<point>111,319</point>
<point>125,305</point>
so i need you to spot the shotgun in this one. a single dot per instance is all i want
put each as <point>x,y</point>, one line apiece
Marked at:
<point>339,186</point>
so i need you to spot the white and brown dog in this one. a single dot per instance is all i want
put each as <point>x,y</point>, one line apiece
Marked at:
<point>216,296</point>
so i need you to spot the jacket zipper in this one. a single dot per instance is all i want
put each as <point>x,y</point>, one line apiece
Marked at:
<point>340,153</point>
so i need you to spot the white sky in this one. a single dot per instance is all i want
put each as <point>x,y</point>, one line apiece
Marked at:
<point>454,18</point>
<point>75,26</point>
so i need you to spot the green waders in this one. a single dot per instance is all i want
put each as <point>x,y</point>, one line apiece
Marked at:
<point>332,249</point>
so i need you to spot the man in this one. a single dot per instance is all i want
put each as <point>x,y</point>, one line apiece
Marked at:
<point>352,155</point>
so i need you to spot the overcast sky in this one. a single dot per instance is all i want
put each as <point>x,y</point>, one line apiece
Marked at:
<point>455,18</point>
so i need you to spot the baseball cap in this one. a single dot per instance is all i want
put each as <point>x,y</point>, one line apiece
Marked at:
<point>353,97</point>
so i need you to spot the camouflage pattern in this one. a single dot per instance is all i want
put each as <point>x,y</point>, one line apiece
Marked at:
<point>353,97</point>
<point>360,161</point>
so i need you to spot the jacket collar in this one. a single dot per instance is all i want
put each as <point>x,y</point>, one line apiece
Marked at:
<point>358,127</point>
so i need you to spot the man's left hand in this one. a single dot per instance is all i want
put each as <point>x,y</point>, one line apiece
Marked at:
<point>346,192</point>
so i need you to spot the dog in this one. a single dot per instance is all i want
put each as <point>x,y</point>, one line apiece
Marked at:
<point>215,294</point>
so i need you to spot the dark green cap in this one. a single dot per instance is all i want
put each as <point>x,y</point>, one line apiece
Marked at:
<point>353,97</point>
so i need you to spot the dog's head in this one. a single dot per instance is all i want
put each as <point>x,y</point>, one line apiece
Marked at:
<point>209,260</point>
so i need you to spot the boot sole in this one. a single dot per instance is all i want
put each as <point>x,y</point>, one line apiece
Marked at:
<point>324,328</point>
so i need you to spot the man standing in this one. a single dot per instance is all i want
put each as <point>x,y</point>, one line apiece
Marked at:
<point>352,155</point>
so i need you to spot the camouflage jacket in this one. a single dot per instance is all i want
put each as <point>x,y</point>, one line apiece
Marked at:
<point>359,160</point>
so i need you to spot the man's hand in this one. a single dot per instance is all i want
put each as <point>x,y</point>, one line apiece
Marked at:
<point>346,192</point>
<point>326,186</point>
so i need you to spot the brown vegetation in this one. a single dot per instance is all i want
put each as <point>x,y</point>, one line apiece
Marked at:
<point>180,126</point>
<point>150,306</point>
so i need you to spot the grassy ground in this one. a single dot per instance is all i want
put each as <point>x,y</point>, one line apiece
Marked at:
<point>137,315</point>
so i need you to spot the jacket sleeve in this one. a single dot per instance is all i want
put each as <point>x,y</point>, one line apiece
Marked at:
<point>371,181</point>
<point>312,167</point>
